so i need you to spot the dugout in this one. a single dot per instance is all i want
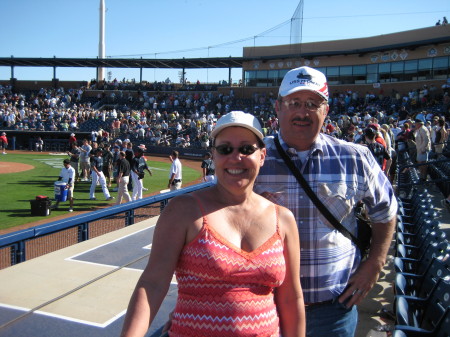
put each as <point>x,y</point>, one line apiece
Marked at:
<point>53,140</point>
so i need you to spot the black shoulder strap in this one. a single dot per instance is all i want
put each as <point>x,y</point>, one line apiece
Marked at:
<point>301,180</point>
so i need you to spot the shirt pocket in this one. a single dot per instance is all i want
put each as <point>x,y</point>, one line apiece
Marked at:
<point>338,198</point>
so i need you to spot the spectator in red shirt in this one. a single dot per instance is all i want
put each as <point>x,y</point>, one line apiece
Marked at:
<point>379,139</point>
<point>329,128</point>
<point>3,142</point>
<point>72,140</point>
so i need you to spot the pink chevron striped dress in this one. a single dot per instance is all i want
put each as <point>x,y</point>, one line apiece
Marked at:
<point>225,291</point>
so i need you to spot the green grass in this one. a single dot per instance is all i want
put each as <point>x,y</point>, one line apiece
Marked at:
<point>17,189</point>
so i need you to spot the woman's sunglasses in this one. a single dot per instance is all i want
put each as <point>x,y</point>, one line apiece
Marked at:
<point>245,150</point>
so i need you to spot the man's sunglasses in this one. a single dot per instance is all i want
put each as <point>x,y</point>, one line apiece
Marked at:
<point>245,150</point>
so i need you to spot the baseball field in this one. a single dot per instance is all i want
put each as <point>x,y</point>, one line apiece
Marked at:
<point>25,175</point>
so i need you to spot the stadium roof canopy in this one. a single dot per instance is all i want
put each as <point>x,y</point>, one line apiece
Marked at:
<point>217,62</point>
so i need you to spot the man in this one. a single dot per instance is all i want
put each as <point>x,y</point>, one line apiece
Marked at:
<point>208,168</point>
<point>85,159</point>
<point>434,129</point>
<point>378,151</point>
<point>67,175</point>
<point>334,280</point>
<point>423,147</point>
<point>74,154</point>
<point>72,140</point>
<point>129,154</point>
<point>138,166</point>
<point>107,156</point>
<point>115,127</point>
<point>175,172</point>
<point>39,145</point>
<point>115,160</point>
<point>98,176</point>
<point>123,176</point>
<point>3,142</point>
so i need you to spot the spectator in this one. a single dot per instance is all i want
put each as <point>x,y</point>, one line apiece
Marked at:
<point>441,136</point>
<point>3,142</point>
<point>74,154</point>
<point>213,249</point>
<point>423,147</point>
<point>341,174</point>
<point>379,152</point>
<point>403,136</point>
<point>85,160</point>
<point>72,140</point>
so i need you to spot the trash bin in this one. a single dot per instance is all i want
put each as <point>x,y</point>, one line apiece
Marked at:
<point>41,206</point>
<point>60,191</point>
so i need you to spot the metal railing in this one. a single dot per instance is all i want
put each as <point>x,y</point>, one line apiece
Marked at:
<point>25,244</point>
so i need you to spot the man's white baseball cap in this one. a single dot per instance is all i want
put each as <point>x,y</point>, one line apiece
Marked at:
<point>238,118</point>
<point>304,78</point>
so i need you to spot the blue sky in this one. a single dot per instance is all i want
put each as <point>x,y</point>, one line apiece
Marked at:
<point>188,28</point>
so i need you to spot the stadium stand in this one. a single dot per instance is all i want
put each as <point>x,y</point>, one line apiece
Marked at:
<point>422,280</point>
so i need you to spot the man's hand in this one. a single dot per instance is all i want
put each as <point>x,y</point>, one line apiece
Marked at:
<point>360,284</point>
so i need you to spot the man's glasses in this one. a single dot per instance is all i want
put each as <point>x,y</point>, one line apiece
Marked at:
<point>245,150</point>
<point>310,105</point>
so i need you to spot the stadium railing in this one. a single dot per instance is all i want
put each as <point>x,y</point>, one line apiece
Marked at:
<point>29,243</point>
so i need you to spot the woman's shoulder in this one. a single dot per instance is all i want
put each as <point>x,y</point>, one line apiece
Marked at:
<point>286,221</point>
<point>183,206</point>
<point>284,213</point>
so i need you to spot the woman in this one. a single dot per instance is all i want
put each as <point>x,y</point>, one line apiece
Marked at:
<point>387,139</point>
<point>235,254</point>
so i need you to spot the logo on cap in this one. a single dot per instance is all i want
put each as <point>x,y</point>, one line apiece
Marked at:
<point>303,76</point>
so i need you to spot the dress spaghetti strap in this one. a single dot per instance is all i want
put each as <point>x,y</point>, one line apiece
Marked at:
<point>202,210</point>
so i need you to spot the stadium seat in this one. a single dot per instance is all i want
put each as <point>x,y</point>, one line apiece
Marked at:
<point>420,285</point>
<point>414,235</point>
<point>441,329</point>
<point>416,251</point>
<point>425,313</point>
<point>419,265</point>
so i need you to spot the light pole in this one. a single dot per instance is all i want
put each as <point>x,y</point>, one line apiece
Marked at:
<point>101,43</point>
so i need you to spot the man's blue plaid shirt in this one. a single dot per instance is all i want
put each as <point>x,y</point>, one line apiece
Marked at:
<point>341,174</point>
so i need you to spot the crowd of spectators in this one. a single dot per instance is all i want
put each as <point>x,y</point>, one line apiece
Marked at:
<point>186,118</point>
<point>44,110</point>
<point>167,85</point>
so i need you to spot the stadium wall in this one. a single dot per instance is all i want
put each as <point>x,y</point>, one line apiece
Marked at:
<point>20,85</point>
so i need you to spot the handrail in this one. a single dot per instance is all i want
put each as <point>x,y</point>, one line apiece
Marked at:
<point>18,238</point>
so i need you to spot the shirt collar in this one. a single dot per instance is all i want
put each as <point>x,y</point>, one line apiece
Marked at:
<point>317,146</point>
